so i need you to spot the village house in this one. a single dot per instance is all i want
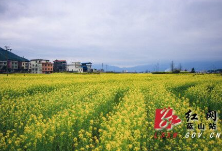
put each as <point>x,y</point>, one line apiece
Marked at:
<point>47,67</point>
<point>75,67</point>
<point>87,66</point>
<point>25,66</point>
<point>59,65</point>
<point>41,66</point>
<point>10,62</point>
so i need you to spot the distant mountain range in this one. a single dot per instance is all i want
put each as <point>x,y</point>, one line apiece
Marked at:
<point>199,66</point>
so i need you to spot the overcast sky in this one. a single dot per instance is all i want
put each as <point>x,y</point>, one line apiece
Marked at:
<point>115,32</point>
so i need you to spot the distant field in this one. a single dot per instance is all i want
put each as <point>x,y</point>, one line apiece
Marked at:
<point>104,111</point>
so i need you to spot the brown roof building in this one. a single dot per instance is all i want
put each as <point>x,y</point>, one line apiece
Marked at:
<point>59,66</point>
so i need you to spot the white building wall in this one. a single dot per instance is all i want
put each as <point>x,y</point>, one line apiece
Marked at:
<point>75,67</point>
<point>36,66</point>
<point>26,65</point>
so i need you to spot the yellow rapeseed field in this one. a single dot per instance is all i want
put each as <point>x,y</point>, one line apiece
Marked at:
<point>107,111</point>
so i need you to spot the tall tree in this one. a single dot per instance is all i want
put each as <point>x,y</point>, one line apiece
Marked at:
<point>193,70</point>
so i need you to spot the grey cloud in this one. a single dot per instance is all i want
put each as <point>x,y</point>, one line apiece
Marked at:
<point>136,32</point>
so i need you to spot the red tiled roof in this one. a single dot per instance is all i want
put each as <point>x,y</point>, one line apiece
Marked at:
<point>59,60</point>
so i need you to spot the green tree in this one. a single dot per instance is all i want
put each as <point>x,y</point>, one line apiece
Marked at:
<point>193,70</point>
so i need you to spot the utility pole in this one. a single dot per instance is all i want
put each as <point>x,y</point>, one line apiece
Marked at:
<point>7,50</point>
<point>157,67</point>
<point>180,67</point>
<point>106,67</point>
<point>172,66</point>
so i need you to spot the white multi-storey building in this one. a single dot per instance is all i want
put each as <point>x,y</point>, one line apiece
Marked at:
<point>41,66</point>
<point>26,66</point>
<point>75,67</point>
<point>36,65</point>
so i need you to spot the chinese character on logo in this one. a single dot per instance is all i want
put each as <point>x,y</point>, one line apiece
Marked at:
<point>192,117</point>
<point>201,126</point>
<point>165,118</point>
<point>212,115</point>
